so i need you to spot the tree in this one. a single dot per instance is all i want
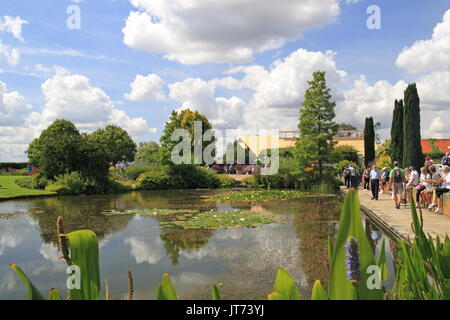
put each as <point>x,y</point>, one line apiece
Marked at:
<point>397,132</point>
<point>412,147</point>
<point>346,152</point>
<point>346,126</point>
<point>185,119</point>
<point>238,151</point>
<point>369,142</point>
<point>384,150</point>
<point>317,129</point>
<point>57,150</point>
<point>117,143</point>
<point>148,152</point>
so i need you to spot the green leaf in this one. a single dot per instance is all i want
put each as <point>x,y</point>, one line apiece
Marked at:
<point>33,292</point>
<point>165,290</point>
<point>350,225</point>
<point>84,253</point>
<point>318,292</point>
<point>215,293</point>
<point>285,285</point>
<point>275,296</point>
<point>54,295</point>
<point>330,249</point>
<point>381,262</point>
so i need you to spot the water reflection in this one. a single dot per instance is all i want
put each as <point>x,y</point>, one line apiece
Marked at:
<point>241,258</point>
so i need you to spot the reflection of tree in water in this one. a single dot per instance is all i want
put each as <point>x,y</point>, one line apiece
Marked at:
<point>79,213</point>
<point>314,224</point>
<point>177,240</point>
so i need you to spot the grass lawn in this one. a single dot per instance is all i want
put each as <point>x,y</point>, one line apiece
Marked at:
<point>8,189</point>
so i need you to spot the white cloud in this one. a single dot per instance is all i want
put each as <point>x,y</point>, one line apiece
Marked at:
<point>13,26</point>
<point>10,55</point>
<point>146,250</point>
<point>198,31</point>
<point>429,55</point>
<point>73,98</point>
<point>13,107</point>
<point>146,88</point>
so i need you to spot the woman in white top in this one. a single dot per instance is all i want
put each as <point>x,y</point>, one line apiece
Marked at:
<point>445,187</point>
<point>423,184</point>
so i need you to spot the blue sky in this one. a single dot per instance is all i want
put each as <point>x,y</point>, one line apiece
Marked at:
<point>96,56</point>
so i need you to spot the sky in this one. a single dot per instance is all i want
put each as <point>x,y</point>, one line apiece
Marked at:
<point>245,64</point>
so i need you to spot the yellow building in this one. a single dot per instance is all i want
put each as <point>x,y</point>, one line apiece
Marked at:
<point>286,139</point>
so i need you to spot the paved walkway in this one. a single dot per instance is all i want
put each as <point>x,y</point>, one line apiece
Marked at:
<point>399,221</point>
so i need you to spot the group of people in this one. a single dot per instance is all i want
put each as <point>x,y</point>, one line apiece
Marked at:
<point>428,185</point>
<point>121,165</point>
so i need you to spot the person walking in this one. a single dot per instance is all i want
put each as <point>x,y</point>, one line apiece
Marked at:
<point>347,175</point>
<point>353,182</point>
<point>366,178</point>
<point>375,176</point>
<point>396,179</point>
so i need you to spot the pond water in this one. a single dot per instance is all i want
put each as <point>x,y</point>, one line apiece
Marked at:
<point>242,260</point>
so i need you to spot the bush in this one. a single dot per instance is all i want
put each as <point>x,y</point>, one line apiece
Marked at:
<point>25,182</point>
<point>74,183</point>
<point>133,172</point>
<point>158,180</point>
<point>195,177</point>
<point>226,181</point>
<point>249,182</point>
<point>39,181</point>
<point>384,161</point>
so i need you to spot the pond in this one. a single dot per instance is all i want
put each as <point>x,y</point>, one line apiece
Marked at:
<point>242,260</point>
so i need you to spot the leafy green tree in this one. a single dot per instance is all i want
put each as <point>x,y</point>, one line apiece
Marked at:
<point>384,149</point>
<point>148,152</point>
<point>94,158</point>
<point>317,128</point>
<point>397,132</point>
<point>412,147</point>
<point>346,152</point>
<point>117,143</point>
<point>369,142</point>
<point>185,119</point>
<point>57,150</point>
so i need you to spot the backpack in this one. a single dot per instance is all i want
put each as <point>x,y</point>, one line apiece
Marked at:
<point>398,176</point>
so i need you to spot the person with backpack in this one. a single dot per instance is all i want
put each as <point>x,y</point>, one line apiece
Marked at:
<point>396,179</point>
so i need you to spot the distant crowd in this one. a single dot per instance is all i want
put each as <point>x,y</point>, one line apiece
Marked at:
<point>428,183</point>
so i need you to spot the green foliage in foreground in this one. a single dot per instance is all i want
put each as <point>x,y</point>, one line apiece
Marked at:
<point>422,271</point>
<point>257,195</point>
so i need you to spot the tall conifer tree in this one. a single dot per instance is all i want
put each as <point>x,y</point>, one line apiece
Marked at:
<point>412,148</point>
<point>397,132</point>
<point>369,142</point>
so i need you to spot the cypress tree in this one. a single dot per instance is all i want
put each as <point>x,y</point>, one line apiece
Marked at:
<point>397,132</point>
<point>369,142</point>
<point>412,148</point>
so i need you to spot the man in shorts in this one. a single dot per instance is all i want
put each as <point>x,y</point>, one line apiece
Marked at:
<point>396,179</point>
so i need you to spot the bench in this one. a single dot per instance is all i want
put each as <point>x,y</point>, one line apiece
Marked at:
<point>446,203</point>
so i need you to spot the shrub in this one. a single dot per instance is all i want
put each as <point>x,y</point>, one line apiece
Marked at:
<point>249,181</point>
<point>25,182</point>
<point>195,177</point>
<point>133,172</point>
<point>226,181</point>
<point>384,161</point>
<point>74,183</point>
<point>39,181</point>
<point>157,180</point>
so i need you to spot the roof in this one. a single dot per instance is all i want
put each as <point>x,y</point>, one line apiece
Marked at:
<point>442,144</point>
